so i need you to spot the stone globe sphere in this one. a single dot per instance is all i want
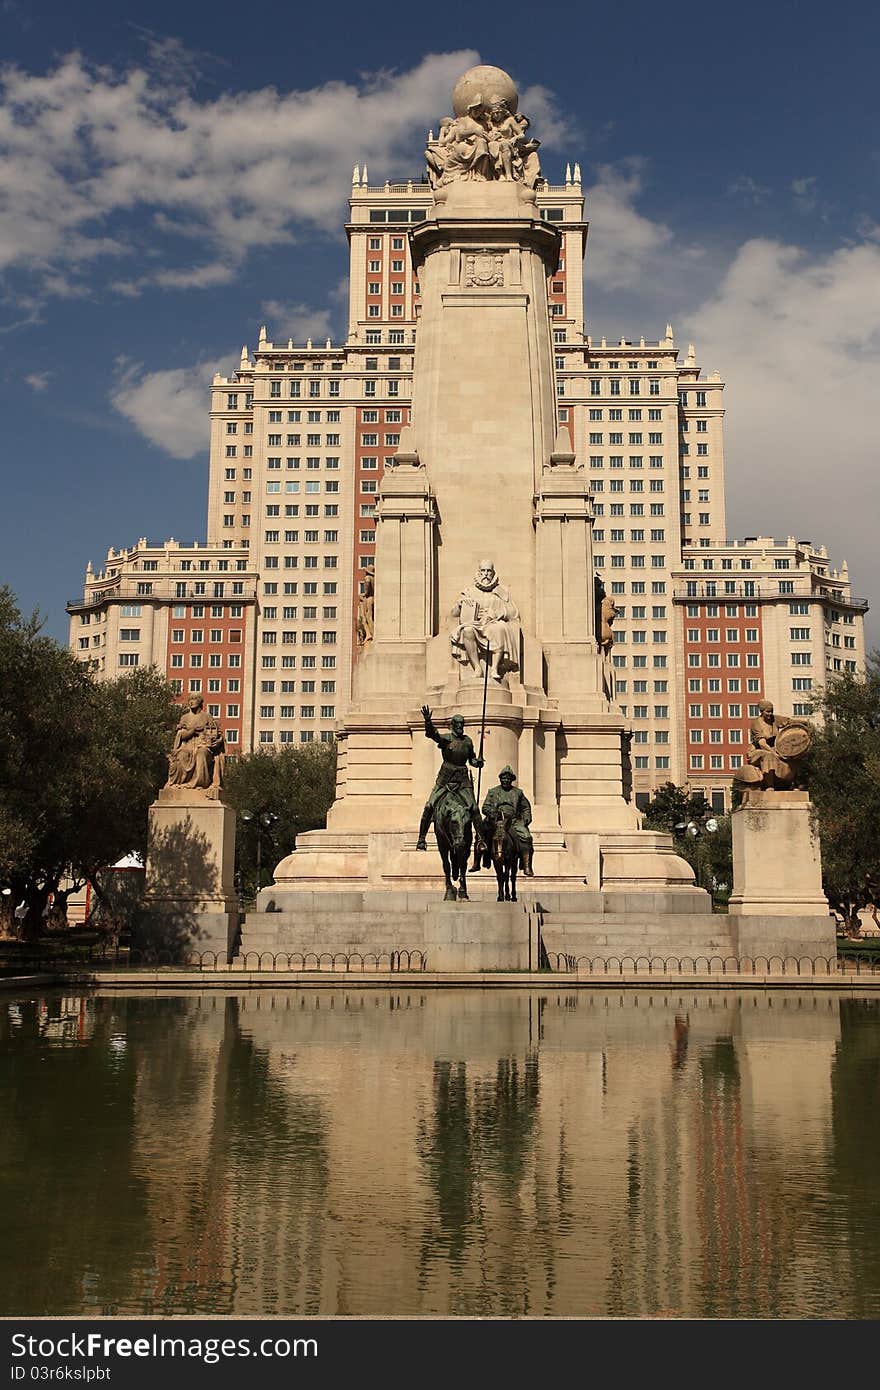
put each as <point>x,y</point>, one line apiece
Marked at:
<point>483,84</point>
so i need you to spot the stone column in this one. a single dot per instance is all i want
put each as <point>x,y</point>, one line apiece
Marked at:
<point>484,410</point>
<point>405,520</point>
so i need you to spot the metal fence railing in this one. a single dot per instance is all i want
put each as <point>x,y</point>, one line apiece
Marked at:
<point>20,961</point>
<point>125,958</point>
<point>795,966</point>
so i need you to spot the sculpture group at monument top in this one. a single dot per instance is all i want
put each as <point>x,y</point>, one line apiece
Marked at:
<point>486,138</point>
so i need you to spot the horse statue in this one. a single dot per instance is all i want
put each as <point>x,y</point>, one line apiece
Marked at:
<point>453,832</point>
<point>505,856</point>
<point>451,805</point>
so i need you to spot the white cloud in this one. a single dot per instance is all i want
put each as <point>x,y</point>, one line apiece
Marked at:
<point>169,407</point>
<point>797,340</point>
<point>297,320</point>
<point>86,152</point>
<point>623,244</point>
<point>548,123</point>
<point>38,381</point>
<point>748,190</point>
<point>805,193</point>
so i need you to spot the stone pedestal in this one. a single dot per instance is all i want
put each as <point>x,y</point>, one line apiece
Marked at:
<point>480,936</point>
<point>777,903</point>
<point>317,929</point>
<point>189,874</point>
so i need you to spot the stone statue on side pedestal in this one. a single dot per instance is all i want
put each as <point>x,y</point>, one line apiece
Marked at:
<point>605,613</point>
<point>777,743</point>
<point>607,616</point>
<point>487,625</point>
<point>366,609</point>
<point>777,907</point>
<point>197,756</point>
<point>191,844</point>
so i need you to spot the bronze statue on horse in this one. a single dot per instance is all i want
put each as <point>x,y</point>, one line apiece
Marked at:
<point>452,805</point>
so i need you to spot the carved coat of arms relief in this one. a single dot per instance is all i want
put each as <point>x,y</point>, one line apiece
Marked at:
<point>483,269</point>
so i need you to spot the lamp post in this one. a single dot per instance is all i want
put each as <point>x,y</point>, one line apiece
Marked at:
<point>706,824</point>
<point>262,822</point>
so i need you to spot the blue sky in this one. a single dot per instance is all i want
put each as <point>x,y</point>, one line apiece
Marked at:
<point>171,176</point>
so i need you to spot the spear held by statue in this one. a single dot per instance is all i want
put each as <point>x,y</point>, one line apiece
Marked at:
<point>486,654</point>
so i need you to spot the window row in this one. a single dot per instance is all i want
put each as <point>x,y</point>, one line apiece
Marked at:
<point>636,562</point>
<point>732,659</point>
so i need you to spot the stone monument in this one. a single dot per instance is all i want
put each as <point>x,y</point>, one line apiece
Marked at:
<point>191,842</point>
<point>777,905</point>
<point>485,461</point>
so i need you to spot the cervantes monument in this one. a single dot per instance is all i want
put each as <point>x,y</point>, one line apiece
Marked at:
<point>484,552</point>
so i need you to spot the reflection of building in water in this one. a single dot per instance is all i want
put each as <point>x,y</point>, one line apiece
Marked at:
<point>368,1152</point>
<point>67,1017</point>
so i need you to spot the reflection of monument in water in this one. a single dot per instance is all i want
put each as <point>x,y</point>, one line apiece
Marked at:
<point>365,1153</point>
<point>483,474</point>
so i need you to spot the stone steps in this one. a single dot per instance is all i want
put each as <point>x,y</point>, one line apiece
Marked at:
<point>358,926</point>
<point>610,935</point>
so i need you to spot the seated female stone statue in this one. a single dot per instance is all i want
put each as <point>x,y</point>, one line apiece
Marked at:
<point>197,756</point>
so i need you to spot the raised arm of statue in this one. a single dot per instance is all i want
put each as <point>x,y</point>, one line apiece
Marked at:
<point>430,730</point>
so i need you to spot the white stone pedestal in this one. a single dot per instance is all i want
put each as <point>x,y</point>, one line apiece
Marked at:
<point>777,904</point>
<point>189,874</point>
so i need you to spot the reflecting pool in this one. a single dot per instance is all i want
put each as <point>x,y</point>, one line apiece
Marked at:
<point>372,1151</point>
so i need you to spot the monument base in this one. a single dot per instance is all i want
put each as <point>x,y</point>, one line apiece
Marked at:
<point>778,907</point>
<point>631,862</point>
<point>189,894</point>
<point>777,869</point>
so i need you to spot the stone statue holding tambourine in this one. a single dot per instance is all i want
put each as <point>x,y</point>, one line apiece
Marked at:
<point>777,745</point>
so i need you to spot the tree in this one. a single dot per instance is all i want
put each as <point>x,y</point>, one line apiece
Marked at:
<point>842,772</point>
<point>671,806</point>
<point>133,719</point>
<point>709,852</point>
<point>80,763</point>
<point>294,784</point>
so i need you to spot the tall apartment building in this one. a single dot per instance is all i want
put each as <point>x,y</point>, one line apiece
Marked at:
<point>757,620</point>
<point>188,610</point>
<point>301,435</point>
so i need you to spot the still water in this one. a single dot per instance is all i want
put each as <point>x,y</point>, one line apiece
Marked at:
<point>440,1152</point>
